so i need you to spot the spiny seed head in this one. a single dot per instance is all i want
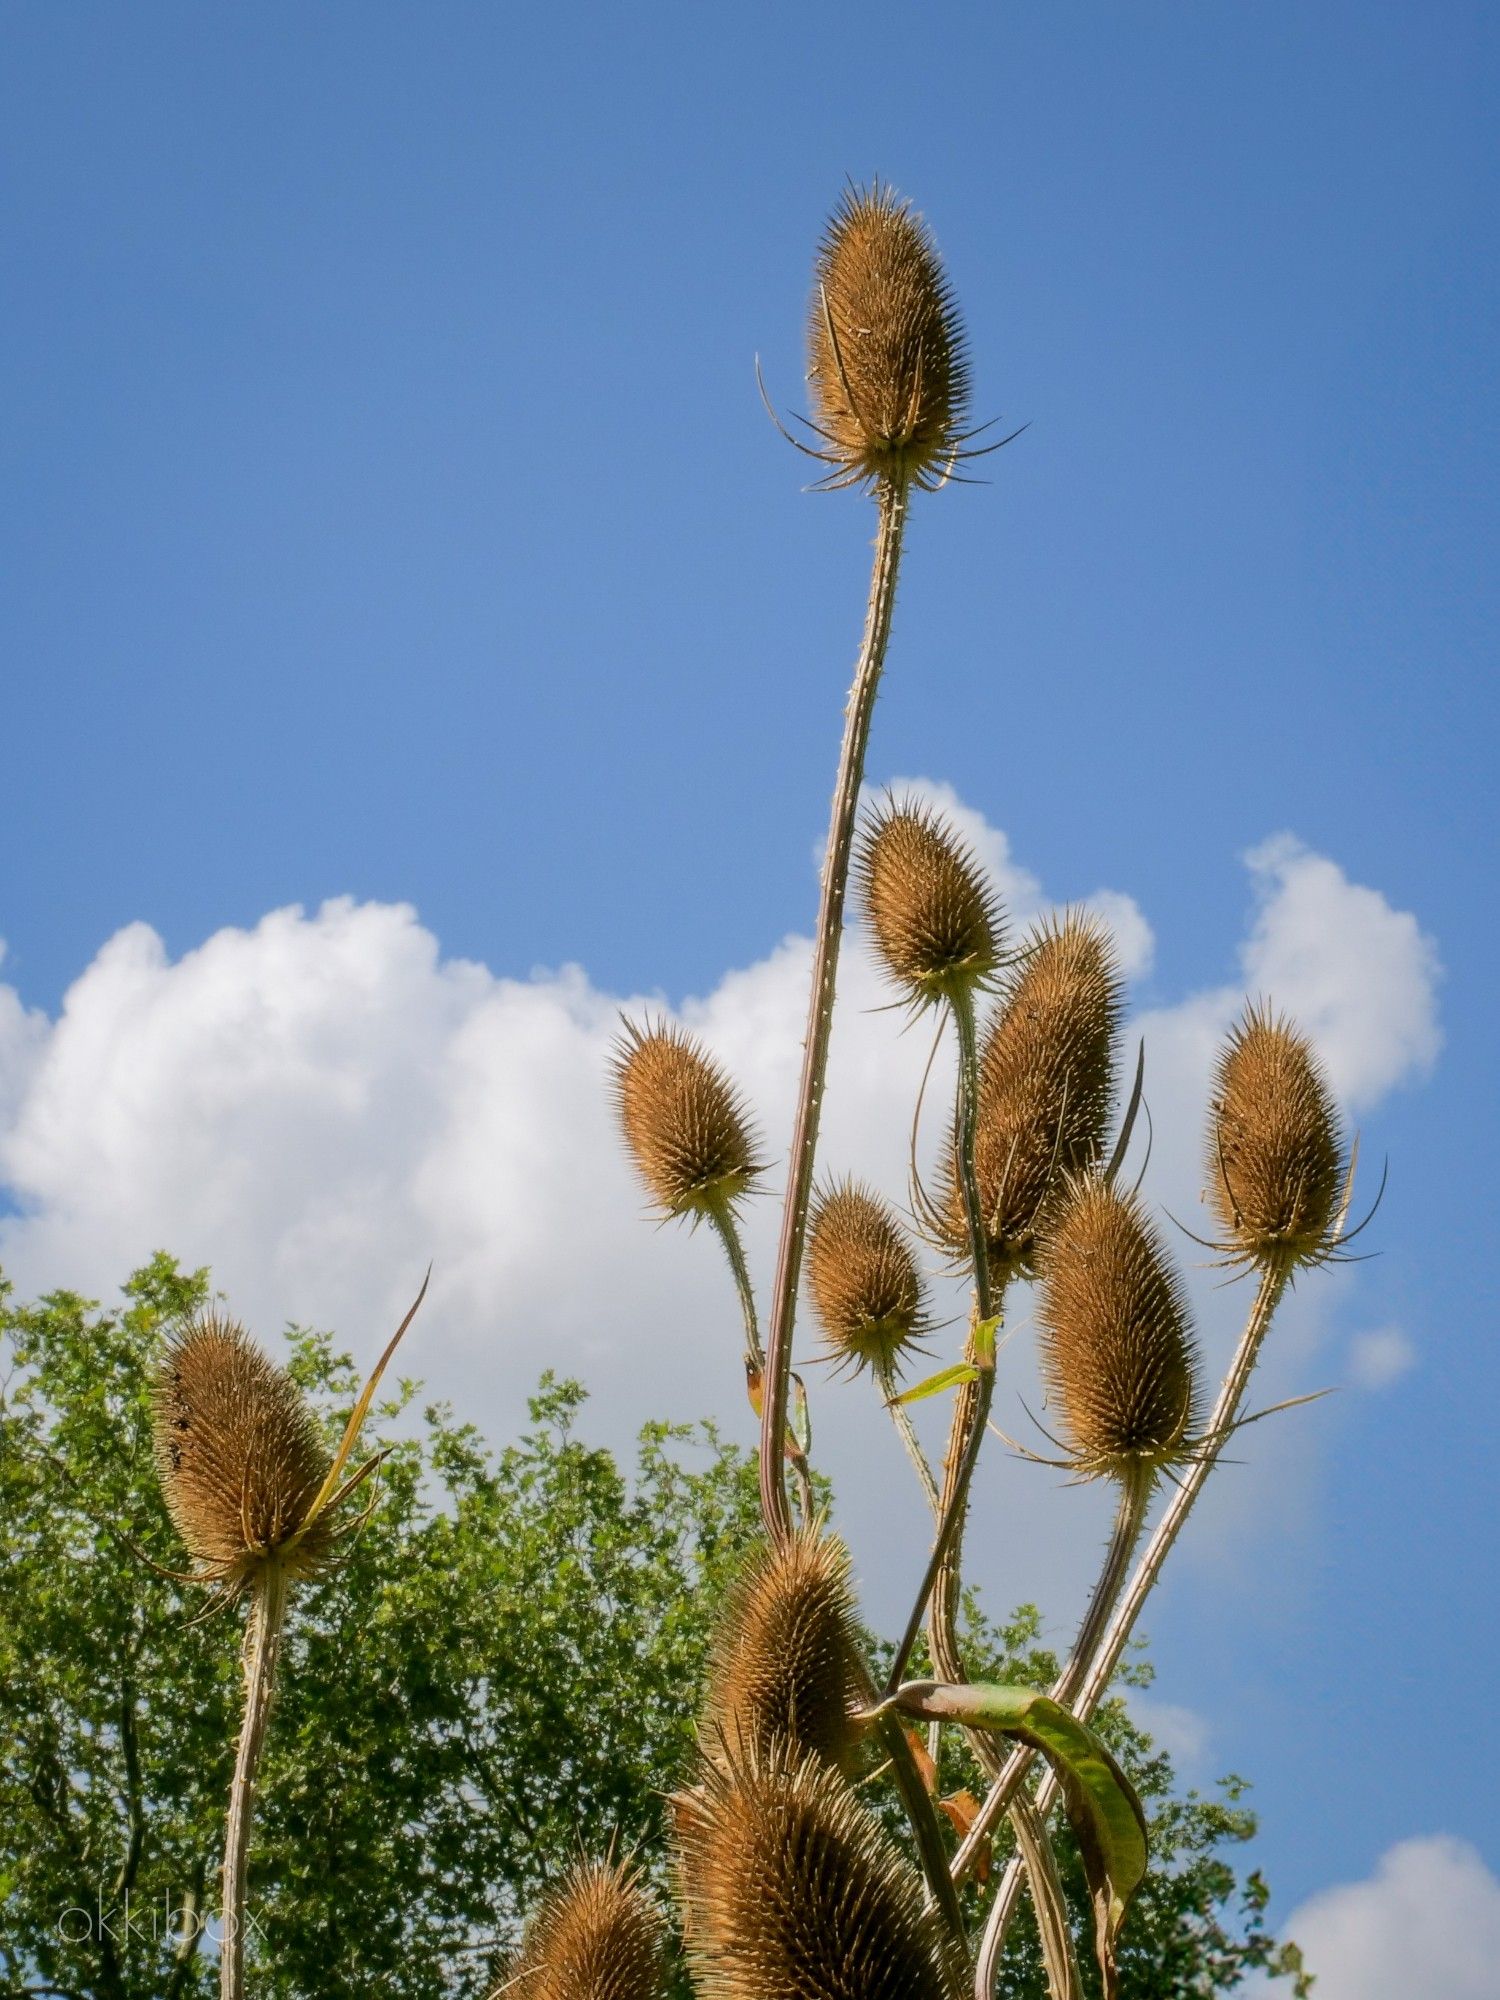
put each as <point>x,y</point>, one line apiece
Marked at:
<point>1046,1087</point>
<point>792,1891</point>
<point>1276,1157</point>
<point>598,1936</point>
<point>1117,1350</point>
<point>885,344</point>
<point>684,1122</point>
<point>862,1273</point>
<point>237,1451</point>
<point>783,1664</point>
<point>934,918</point>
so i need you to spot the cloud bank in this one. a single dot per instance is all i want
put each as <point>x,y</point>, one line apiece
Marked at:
<point>319,1105</point>
<point>1426,1922</point>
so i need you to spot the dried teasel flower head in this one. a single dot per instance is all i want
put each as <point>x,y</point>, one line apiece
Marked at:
<point>684,1122</point>
<point>1046,1088</point>
<point>791,1889</point>
<point>862,1274</point>
<point>1117,1349</point>
<point>934,918</point>
<point>783,1667</point>
<point>1277,1164</point>
<point>885,346</point>
<point>238,1454</point>
<point>597,1936</point>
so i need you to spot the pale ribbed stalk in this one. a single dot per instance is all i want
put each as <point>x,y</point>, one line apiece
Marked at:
<point>1040,1863</point>
<point>263,1630</point>
<point>892,501</point>
<point>1273,1283</point>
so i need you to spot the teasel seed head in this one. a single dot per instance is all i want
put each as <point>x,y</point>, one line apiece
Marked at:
<point>1117,1349</point>
<point>885,345</point>
<point>597,1936</point>
<point>238,1454</point>
<point>783,1666</point>
<point>1046,1088</point>
<point>862,1273</point>
<point>934,918</point>
<point>1277,1161</point>
<point>684,1122</point>
<point>792,1891</point>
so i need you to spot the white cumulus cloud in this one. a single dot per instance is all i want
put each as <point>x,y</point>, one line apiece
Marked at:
<point>318,1105</point>
<point>1380,1357</point>
<point>1427,1923</point>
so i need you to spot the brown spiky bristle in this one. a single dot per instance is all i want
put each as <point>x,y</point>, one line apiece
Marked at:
<point>792,1891</point>
<point>684,1122</point>
<point>598,1936</point>
<point>784,1664</point>
<point>933,916</point>
<point>1117,1351</point>
<point>885,343</point>
<point>862,1274</point>
<point>1276,1160</point>
<point>1046,1087</point>
<point>237,1451</point>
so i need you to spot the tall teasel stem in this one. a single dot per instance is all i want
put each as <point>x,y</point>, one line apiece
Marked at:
<point>971,1408</point>
<point>727,1230</point>
<point>891,502</point>
<point>890,1390</point>
<point>1275,1276</point>
<point>263,1633</point>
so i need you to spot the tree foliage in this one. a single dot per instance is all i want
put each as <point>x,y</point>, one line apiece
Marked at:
<point>503,1673</point>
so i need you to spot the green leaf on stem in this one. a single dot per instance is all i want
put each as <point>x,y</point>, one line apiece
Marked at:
<point>946,1378</point>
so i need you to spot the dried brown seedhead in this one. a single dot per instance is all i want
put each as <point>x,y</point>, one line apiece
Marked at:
<point>1277,1164</point>
<point>238,1454</point>
<point>784,1662</point>
<point>1046,1089</point>
<point>885,346</point>
<point>1117,1348</point>
<point>934,918</point>
<point>598,1935</point>
<point>684,1122</point>
<point>862,1274</point>
<point>792,1891</point>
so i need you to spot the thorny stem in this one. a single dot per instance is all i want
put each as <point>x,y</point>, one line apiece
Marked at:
<point>727,1230</point>
<point>263,1630</point>
<point>1006,1794</point>
<point>940,1585</point>
<point>1130,1518</point>
<point>892,502</point>
<point>1273,1283</point>
<point>900,1416</point>
<point>1035,1853</point>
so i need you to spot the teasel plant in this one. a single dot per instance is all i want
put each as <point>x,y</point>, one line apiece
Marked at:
<point>789,1889</point>
<point>260,1505</point>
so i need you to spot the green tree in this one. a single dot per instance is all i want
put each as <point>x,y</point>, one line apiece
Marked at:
<point>504,1671</point>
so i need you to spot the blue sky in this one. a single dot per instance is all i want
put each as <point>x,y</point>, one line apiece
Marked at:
<point>389,513</point>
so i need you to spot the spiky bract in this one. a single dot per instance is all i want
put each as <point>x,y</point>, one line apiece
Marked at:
<point>885,344</point>
<point>684,1122</point>
<point>1276,1158</point>
<point>863,1277</point>
<point>934,918</point>
<point>792,1891</point>
<point>784,1664</point>
<point>1046,1088</point>
<point>598,1935</point>
<point>238,1453</point>
<point>1117,1349</point>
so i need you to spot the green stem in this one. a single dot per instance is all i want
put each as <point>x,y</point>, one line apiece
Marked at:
<point>892,503</point>
<point>890,1389</point>
<point>263,1630</point>
<point>942,1581</point>
<point>727,1230</point>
